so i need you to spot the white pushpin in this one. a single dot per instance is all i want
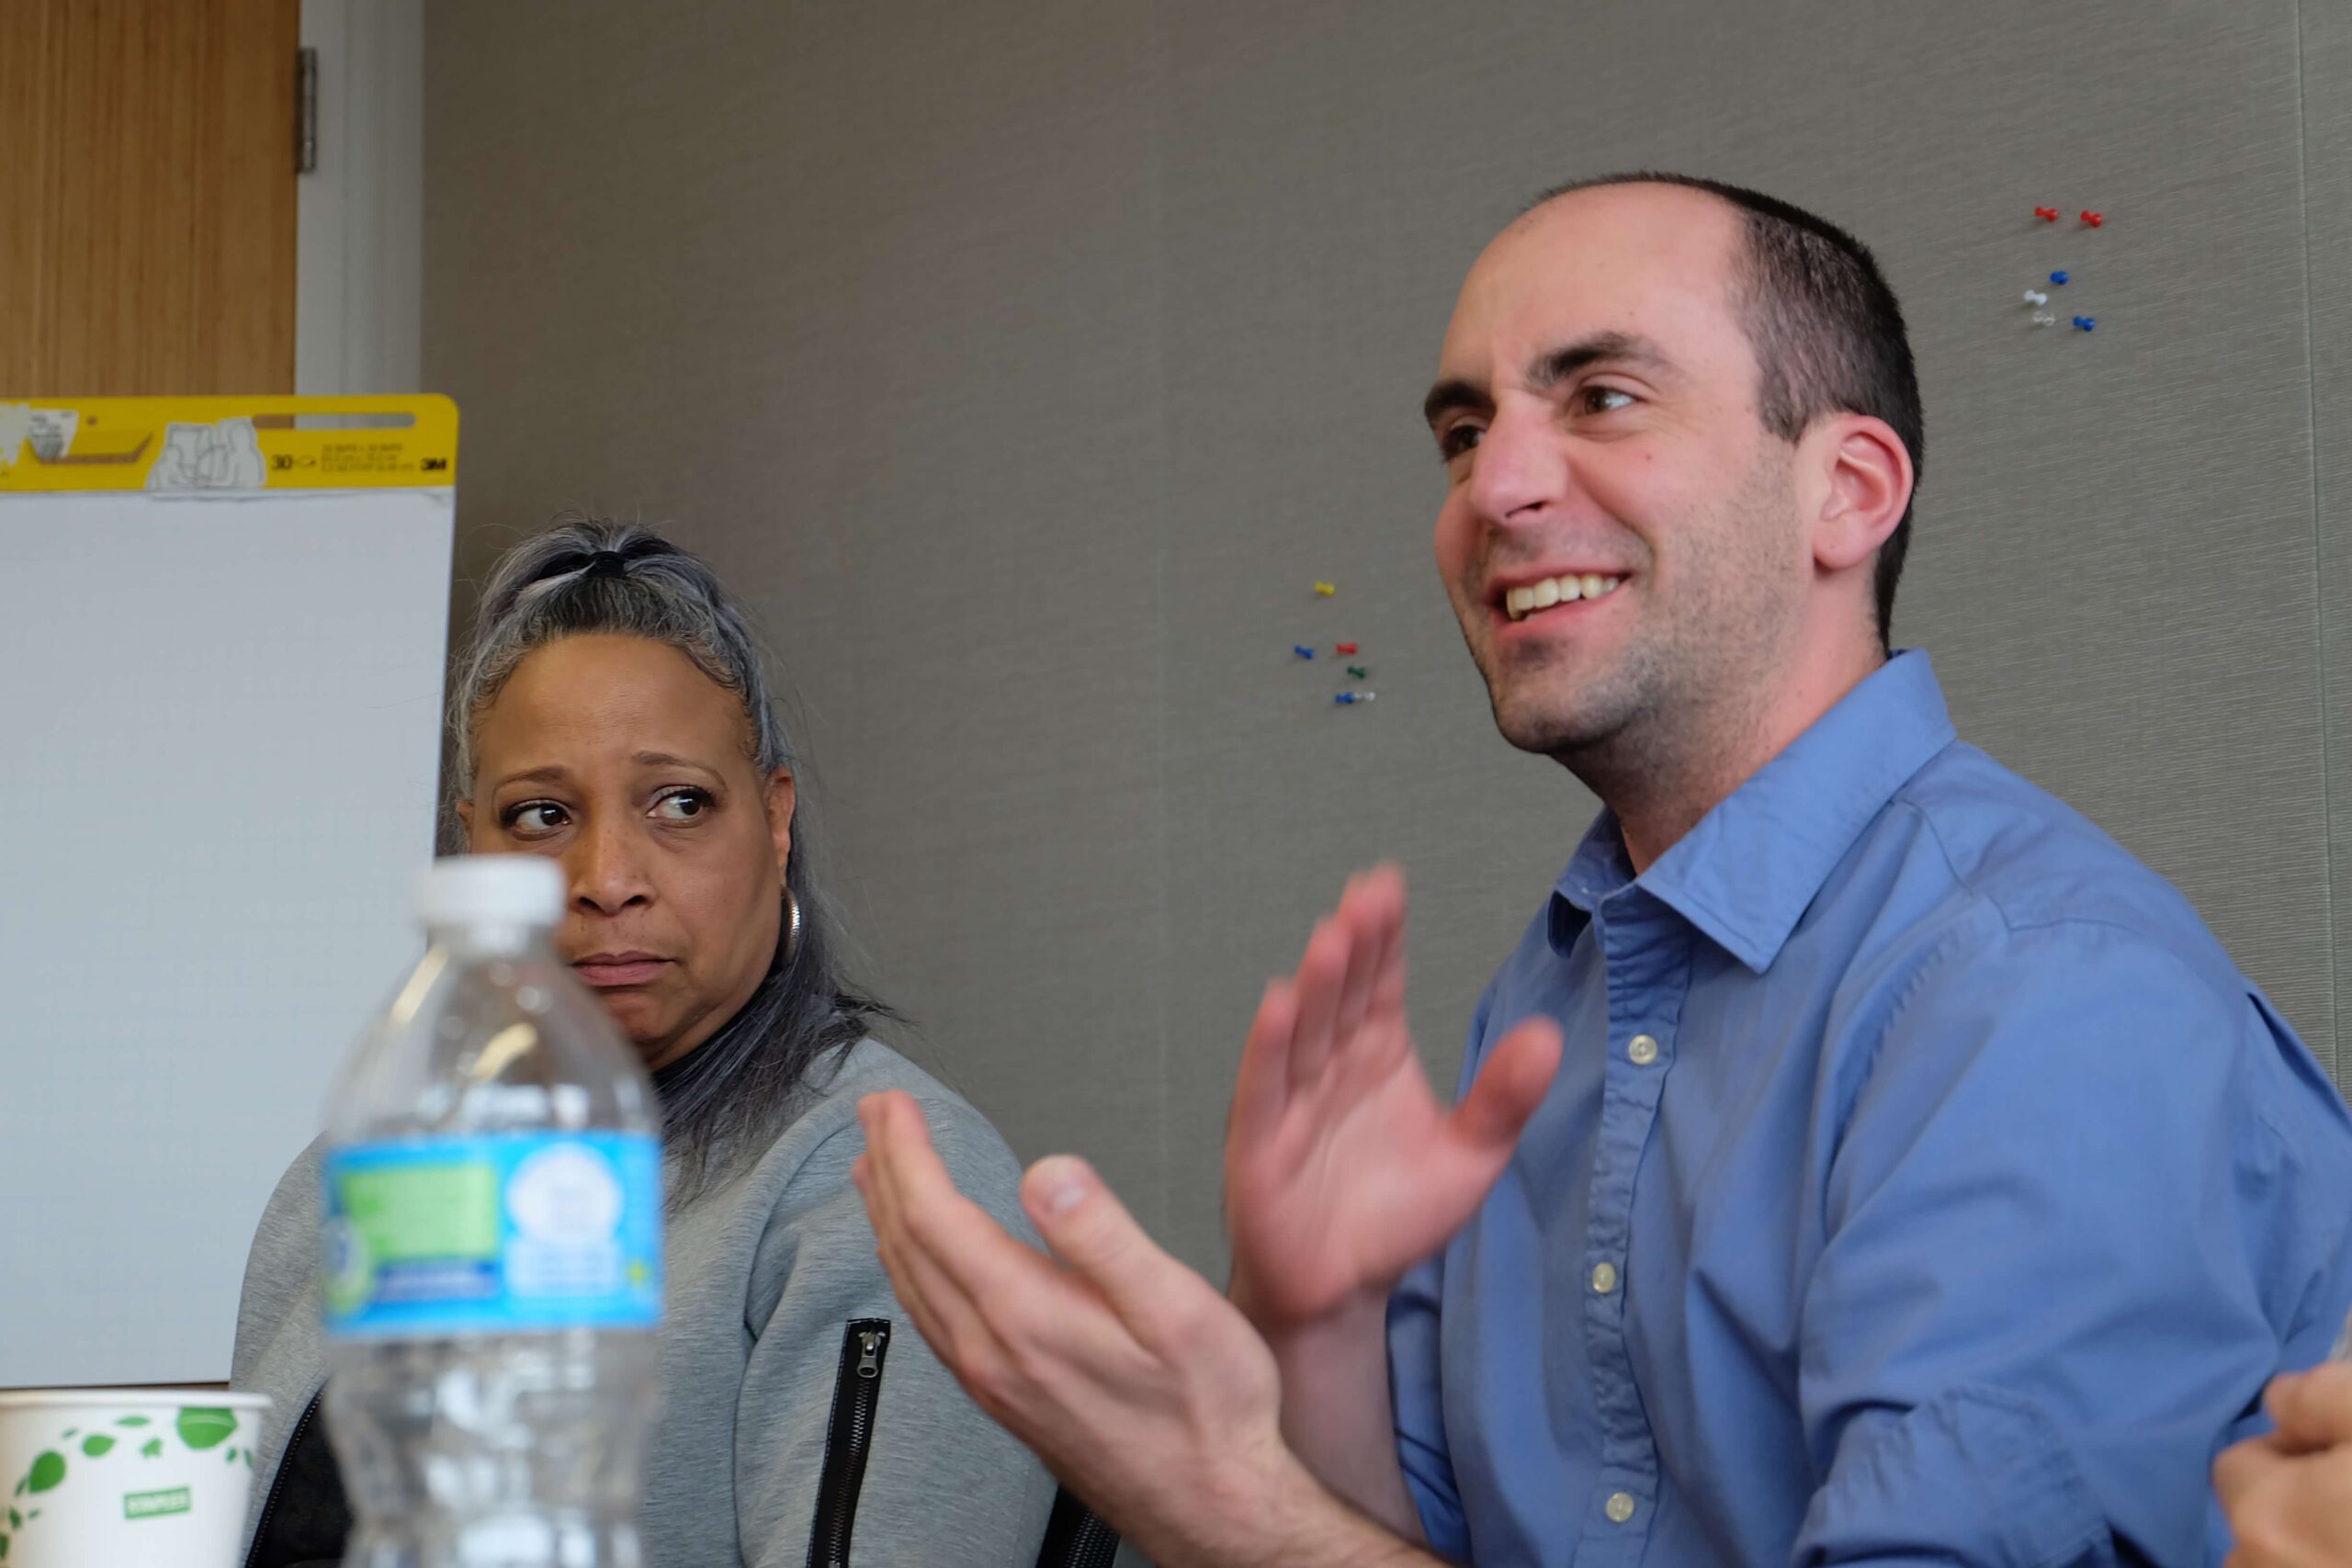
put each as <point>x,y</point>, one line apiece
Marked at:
<point>2043,318</point>
<point>2034,297</point>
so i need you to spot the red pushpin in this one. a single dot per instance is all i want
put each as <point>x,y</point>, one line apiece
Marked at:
<point>2093,219</point>
<point>2047,214</point>
<point>1347,647</point>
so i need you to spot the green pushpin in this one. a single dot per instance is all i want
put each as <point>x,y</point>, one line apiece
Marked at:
<point>1359,672</point>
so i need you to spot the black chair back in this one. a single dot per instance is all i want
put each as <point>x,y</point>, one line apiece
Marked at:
<point>1076,1537</point>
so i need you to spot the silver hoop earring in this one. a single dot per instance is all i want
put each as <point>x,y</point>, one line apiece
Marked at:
<point>791,925</point>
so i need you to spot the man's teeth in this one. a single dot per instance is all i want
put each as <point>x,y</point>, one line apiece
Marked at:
<point>1525,602</point>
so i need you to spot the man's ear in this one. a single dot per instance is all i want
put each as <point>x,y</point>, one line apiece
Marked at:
<point>1868,488</point>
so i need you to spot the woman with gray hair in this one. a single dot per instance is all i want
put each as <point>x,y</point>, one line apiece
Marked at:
<point>611,712</point>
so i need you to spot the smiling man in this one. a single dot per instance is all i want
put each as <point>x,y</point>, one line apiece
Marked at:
<point>1861,1158</point>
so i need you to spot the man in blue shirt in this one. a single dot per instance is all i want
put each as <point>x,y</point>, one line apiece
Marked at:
<point>1861,1159</point>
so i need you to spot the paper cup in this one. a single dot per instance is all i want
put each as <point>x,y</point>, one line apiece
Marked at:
<point>126,1478</point>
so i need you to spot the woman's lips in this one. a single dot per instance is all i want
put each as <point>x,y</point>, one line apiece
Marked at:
<point>609,971</point>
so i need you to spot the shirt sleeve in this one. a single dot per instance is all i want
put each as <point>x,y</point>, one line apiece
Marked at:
<point>943,1482</point>
<point>2052,1281</point>
<point>1415,1391</point>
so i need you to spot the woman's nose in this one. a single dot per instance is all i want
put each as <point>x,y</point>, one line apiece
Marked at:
<point>607,871</point>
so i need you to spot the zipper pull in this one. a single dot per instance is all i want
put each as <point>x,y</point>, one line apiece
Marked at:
<point>869,1363</point>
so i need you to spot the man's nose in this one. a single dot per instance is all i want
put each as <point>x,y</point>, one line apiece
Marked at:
<point>1521,469</point>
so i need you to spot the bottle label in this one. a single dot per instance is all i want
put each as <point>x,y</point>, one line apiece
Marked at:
<point>511,1231</point>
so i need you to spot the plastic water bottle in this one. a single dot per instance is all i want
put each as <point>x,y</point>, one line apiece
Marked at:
<point>494,1249</point>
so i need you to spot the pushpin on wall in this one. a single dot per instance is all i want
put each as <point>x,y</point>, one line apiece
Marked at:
<point>1327,589</point>
<point>1359,672</point>
<point>1347,647</point>
<point>2044,319</point>
<point>2047,214</point>
<point>2035,297</point>
<point>1301,650</point>
<point>2085,323</point>
<point>2093,219</point>
<point>2058,277</point>
<point>1345,698</point>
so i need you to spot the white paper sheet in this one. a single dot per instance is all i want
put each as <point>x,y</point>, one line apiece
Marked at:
<point>219,748</point>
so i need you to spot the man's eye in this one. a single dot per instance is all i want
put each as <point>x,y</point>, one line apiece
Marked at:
<point>1456,439</point>
<point>1603,400</point>
<point>534,816</point>
<point>681,806</point>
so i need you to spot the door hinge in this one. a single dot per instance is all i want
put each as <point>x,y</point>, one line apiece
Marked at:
<point>306,111</point>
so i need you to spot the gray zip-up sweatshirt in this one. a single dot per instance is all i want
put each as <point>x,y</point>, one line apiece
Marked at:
<point>765,1273</point>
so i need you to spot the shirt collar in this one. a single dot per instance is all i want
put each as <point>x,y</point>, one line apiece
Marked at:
<point>1749,870</point>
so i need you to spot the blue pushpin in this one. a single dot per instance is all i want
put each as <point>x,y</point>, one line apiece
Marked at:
<point>2085,323</point>
<point>1301,650</point>
<point>1347,699</point>
<point>2057,277</point>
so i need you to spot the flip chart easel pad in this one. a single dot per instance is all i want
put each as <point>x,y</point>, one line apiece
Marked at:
<point>219,756</point>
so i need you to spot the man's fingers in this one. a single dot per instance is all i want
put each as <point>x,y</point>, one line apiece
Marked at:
<point>2312,1409</point>
<point>943,1313</point>
<point>1320,974</point>
<point>951,1250</point>
<point>1092,1232</point>
<point>1262,1087</point>
<point>1343,975</point>
<point>1360,919</point>
<point>2242,1467</point>
<point>1384,884</point>
<point>1509,1088</point>
<point>929,1216</point>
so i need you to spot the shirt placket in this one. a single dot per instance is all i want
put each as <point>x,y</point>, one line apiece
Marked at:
<point>1645,951</point>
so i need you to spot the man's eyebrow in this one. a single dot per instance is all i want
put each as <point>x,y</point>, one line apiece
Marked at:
<point>1551,367</point>
<point>1570,359</point>
<point>1449,395</point>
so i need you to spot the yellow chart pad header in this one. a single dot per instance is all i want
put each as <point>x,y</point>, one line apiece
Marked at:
<point>195,444</point>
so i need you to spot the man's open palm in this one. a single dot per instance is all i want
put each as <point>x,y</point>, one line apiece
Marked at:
<point>1342,1167</point>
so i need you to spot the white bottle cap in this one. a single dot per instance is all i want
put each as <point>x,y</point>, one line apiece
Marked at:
<point>491,890</point>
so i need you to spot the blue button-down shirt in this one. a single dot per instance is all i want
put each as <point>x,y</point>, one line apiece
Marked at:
<point>1921,1182</point>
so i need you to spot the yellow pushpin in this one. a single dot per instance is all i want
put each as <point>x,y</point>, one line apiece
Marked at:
<point>1327,589</point>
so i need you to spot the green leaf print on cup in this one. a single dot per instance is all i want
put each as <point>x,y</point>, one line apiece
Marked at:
<point>153,1448</point>
<point>202,1427</point>
<point>97,1444</point>
<point>48,1470</point>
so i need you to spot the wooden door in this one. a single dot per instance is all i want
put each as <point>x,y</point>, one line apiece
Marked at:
<point>147,171</point>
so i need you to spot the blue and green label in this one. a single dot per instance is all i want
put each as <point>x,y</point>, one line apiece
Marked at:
<point>497,1234</point>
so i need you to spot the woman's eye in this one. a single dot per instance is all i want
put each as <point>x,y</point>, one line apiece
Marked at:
<point>1456,440</point>
<point>681,806</point>
<point>1604,400</point>
<point>534,816</point>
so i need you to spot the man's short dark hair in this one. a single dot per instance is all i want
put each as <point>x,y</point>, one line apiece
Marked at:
<point>1826,330</point>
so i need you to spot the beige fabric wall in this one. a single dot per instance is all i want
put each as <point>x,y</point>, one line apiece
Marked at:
<point>1025,364</point>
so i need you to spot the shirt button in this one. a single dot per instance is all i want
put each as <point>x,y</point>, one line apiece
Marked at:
<point>1620,1507</point>
<point>1644,1051</point>
<point>1604,1279</point>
